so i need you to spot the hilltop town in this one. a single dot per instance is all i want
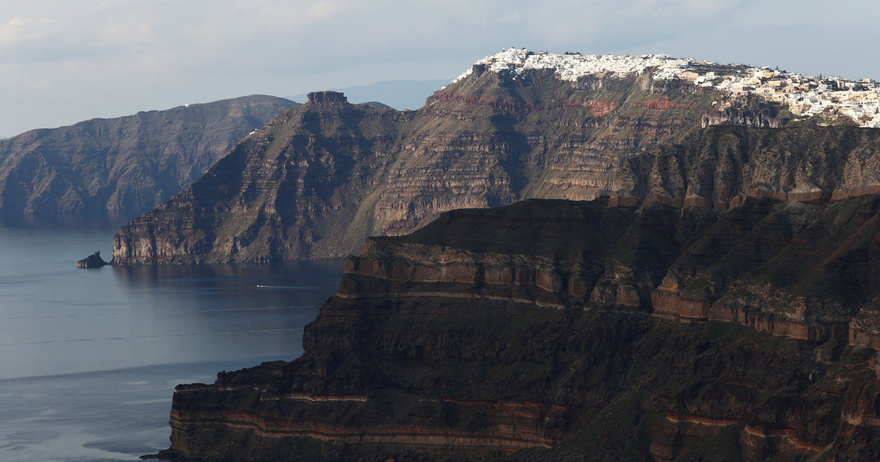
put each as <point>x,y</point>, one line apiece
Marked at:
<point>804,96</point>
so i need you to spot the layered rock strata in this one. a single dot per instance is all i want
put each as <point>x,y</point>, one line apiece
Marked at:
<point>555,330</point>
<point>720,167</point>
<point>111,170</point>
<point>321,177</point>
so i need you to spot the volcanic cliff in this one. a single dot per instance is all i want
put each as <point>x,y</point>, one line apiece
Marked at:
<point>114,169</point>
<point>321,177</point>
<point>557,330</point>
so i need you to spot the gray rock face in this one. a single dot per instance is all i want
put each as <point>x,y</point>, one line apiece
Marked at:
<point>114,169</point>
<point>720,167</point>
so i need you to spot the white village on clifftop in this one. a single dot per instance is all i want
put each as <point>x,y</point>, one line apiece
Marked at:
<point>805,96</point>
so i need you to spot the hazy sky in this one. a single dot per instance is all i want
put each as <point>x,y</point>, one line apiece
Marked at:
<point>62,61</point>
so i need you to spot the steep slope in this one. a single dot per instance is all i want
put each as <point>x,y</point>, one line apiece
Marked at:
<point>517,125</point>
<point>290,190</point>
<point>493,138</point>
<point>720,166</point>
<point>554,330</point>
<point>114,169</point>
<point>487,140</point>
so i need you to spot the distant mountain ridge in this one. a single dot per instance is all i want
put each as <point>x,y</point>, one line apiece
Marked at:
<point>109,170</point>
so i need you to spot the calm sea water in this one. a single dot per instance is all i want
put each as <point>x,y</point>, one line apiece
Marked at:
<point>89,358</point>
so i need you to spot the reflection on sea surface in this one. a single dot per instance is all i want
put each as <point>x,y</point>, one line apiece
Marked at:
<point>237,310</point>
<point>89,357</point>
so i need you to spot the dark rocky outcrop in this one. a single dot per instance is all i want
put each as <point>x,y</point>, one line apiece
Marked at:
<point>110,170</point>
<point>555,330</point>
<point>92,261</point>
<point>327,97</point>
<point>719,167</point>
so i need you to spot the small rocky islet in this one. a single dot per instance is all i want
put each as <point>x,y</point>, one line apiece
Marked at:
<point>92,261</point>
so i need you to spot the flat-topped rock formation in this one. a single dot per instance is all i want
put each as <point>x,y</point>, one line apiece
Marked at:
<point>327,97</point>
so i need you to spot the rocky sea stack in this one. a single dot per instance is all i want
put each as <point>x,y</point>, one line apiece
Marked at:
<point>92,261</point>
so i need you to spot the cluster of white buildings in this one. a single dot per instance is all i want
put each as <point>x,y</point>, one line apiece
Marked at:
<point>804,96</point>
<point>570,66</point>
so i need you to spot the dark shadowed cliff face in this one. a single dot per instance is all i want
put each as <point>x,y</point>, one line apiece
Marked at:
<point>115,169</point>
<point>554,330</point>
<point>720,167</point>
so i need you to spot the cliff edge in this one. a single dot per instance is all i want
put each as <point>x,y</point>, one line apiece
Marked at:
<point>557,330</point>
<point>323,176</point>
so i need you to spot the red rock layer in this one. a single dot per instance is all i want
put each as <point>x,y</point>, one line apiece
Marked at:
<point>516,425</point>
<point>599,108</point>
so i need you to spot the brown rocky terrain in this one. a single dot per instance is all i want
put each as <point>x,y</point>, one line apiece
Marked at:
<point>555,330</point>
<point>323,176</point>
<point>110,170</point>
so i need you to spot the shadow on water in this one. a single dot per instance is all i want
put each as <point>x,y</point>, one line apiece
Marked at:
<point>317,275</point>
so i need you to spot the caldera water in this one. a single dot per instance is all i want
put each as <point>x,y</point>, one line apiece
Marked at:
<point>89,357</point>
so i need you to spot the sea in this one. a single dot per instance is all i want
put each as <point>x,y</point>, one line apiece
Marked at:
<point>89,358</point>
